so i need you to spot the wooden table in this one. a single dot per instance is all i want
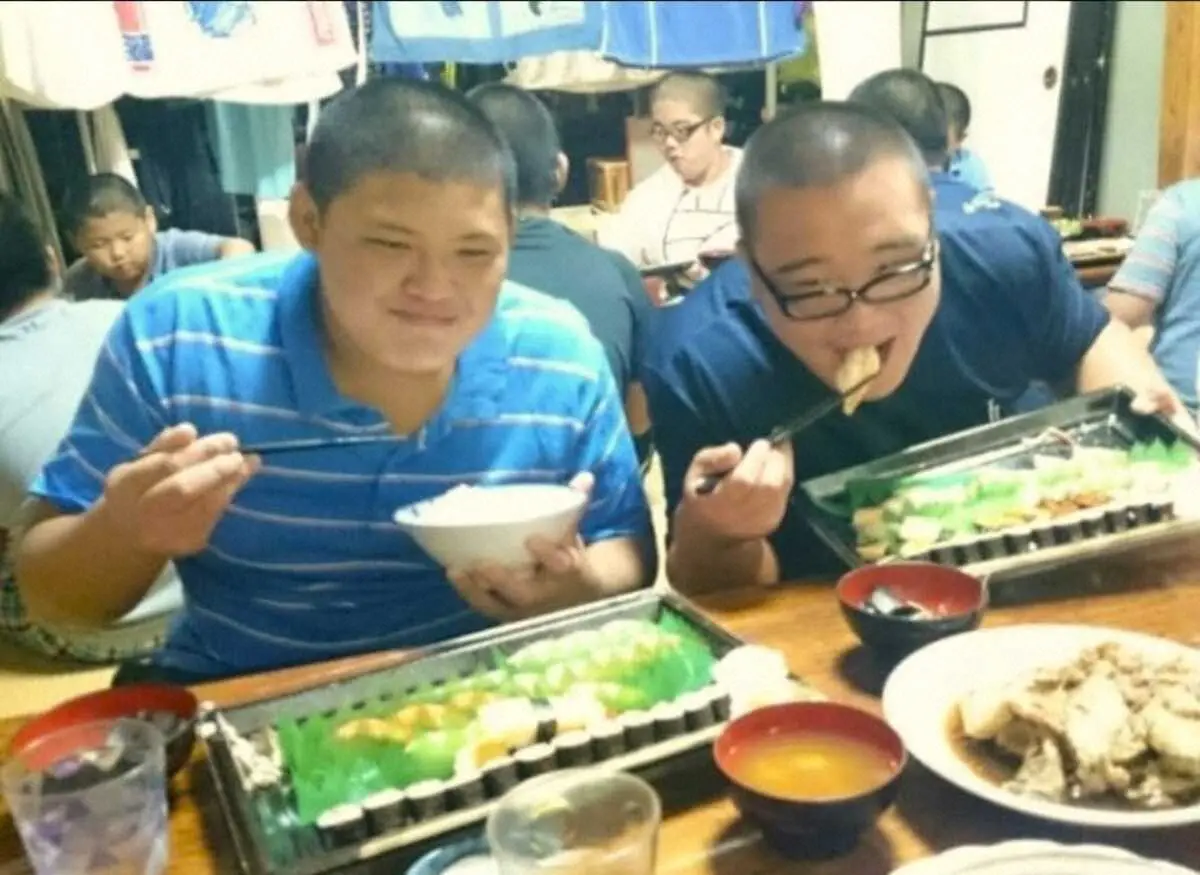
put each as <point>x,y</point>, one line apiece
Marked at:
<point>1156,596</point>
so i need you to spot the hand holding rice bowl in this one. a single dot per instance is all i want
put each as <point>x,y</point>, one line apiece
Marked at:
<point>474,525</point>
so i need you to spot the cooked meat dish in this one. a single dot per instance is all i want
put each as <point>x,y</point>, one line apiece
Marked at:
<point>1110,726</point>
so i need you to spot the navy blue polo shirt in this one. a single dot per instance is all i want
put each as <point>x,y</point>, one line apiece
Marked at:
<point>1012,312</point>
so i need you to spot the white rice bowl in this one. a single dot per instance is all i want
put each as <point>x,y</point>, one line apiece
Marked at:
<point>474,525</point>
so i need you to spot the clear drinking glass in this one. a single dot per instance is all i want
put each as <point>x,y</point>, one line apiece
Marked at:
<point>92,799</point>
<point>578,821</point>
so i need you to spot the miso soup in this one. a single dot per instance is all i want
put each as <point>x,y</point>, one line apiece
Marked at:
<point>811,766</point>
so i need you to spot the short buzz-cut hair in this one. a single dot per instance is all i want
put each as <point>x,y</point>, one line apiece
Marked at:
<point>702,91</point>
<point>528,128</point>
<point>24,268</point>
<point>912,99</point>
<point>958,105</point>
<point>102,195</point>
<point>818,144</point>
<point>404,126</point>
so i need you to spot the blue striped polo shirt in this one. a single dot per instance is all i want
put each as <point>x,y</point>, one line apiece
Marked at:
<point>306,564</point>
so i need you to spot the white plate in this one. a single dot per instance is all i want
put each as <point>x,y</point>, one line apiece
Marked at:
<point>1042,858</point>
<point>920,697</point>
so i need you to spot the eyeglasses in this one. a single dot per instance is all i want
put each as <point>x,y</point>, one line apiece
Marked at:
<point>824,303</point>
<point>680,133</point>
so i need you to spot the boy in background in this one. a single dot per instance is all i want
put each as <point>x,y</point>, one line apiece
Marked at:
<point>122,249</point>
<point>965,165</point>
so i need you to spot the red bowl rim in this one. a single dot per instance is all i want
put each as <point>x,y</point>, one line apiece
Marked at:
<point>895,773</point>
<point>843,581</point>
<point>122,701</point>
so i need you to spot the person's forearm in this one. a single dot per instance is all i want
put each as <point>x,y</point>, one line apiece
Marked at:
<point>699,561</point>
<point>618,565</point>
<point>77,570</point>
<point>234,247</point>
<point>1116,358</point>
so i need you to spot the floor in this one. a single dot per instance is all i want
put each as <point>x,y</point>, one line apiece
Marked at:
<point>30,684</point>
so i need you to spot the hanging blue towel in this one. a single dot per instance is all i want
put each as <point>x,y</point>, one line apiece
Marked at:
<point>255,146</point>
<point>682,33</point>
<point>478,32</point>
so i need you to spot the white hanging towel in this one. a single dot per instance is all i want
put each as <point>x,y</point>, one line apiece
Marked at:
<point>857,39</point>
<point>578,73</point>
<point>58,55</point>
<point>479,32</point>
<point>188,49</point>
<point>298,89</point>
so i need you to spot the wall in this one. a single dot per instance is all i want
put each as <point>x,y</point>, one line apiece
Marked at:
<point>912,19</point>
<point>1130,159</point>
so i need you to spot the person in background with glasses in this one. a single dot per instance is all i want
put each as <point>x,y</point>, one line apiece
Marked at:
<point>840,250</point>
<point>686,207</point>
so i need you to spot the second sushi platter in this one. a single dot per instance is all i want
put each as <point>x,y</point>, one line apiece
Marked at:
<point>1084,478</point>
<point>389,762</point>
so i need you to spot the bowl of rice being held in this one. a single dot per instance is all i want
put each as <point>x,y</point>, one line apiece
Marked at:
<point>475,525</point>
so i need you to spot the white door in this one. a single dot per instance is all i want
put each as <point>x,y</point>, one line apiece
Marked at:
<point>1008,57</point>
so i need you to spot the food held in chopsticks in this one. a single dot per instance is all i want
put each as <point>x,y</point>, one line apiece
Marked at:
<point>859,364</point>
<point>1003,509</point>
<point>1113,726</point>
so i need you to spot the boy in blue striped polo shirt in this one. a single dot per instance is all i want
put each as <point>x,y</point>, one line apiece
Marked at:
<point>397,318</point>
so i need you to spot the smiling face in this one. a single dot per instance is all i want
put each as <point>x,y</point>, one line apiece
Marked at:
<point>690,142</point>
<point>844,236</point>
<point>410,267</point>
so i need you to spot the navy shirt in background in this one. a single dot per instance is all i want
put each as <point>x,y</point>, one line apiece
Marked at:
<point>603,285</point>
<point>1012,312</point>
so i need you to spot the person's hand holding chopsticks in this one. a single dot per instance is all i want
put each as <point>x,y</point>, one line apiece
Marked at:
<point>169,498</point>
<point>750,500</point>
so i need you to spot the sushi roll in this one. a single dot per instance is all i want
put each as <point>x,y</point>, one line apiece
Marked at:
<point>1043,535</point>
<point>1140,512</point>
<point>1091,523</point>
<point>721,704</point>
<point>608,740</point>
<point>500,776</point>
<point>967,552</point>
<point>427,799</point>
<point>466,791</point>
<point>668,720</point>
<point>1018,540</point>
<point>697,711</point>
<point>1067,531</point>
<point>342,826</point>
<point>942,554</point>
<point>1117,518</point>
<point>573,749</point>
<point>1161,510</point>
<point>537,759</point>
<point>385,811</point>
<point>639,729</point>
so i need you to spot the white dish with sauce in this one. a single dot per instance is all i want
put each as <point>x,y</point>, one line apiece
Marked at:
<point>921,697</point>
<point>1045,858</point>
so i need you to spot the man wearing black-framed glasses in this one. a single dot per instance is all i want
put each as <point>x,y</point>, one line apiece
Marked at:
<point>842,251</point>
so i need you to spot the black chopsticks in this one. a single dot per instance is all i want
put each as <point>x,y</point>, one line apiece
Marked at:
<point>791,428</point>
<point>304,444</point>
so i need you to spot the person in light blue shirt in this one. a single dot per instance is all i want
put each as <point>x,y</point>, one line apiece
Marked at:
<point>965,164</point>
<point>397,320</point>
<point>1158,285</point>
